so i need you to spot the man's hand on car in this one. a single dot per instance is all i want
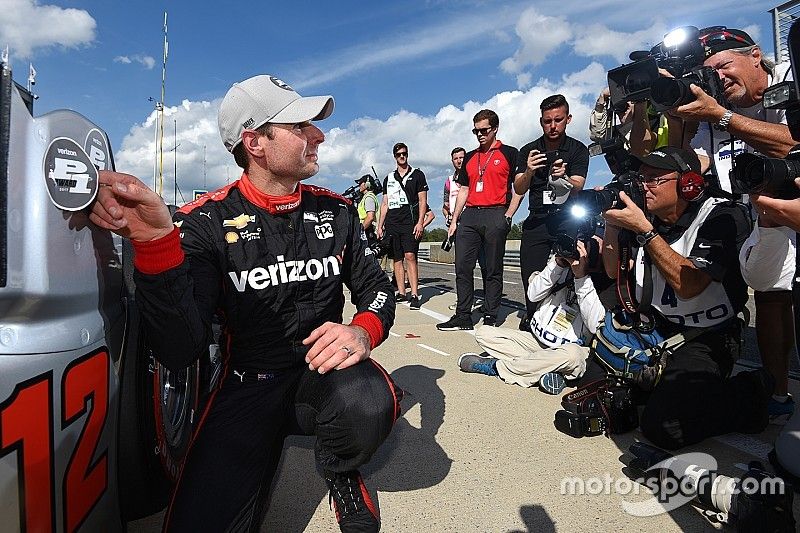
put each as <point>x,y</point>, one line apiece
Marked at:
<point>129,208</point>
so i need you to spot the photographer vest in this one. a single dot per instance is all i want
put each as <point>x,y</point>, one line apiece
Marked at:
<point>558,319</point>
<point>721,148</point>
<point>709,308</point>
<point>395,189</point>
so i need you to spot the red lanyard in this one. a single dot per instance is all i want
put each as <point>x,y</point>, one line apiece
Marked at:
<point>482,171</point>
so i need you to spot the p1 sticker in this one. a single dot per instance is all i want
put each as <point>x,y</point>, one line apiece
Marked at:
<point>70,175</point>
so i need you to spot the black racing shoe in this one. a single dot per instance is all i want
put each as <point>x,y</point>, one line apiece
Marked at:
<point>415,303</point>
<point>355,510</point>
<point>398,297</point>
<point>456,323</point>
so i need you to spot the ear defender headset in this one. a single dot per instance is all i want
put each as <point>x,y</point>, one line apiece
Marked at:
<point>691,185</point>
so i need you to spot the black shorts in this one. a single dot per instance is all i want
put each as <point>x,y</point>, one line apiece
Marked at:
<point>403,241</point>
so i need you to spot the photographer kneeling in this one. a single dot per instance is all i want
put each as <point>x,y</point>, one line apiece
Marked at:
<point>692,244</point>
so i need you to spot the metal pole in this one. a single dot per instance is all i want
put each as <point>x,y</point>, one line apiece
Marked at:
<point>205,186</point>
<point>175,162</point>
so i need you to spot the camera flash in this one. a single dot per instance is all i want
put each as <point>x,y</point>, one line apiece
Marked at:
<point>578,211</point>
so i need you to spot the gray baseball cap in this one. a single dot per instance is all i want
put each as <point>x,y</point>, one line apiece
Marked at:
<point>256,101</point>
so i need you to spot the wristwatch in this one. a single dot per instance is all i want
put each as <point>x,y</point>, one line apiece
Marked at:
<point>644,238</point>
<point>723,123</point>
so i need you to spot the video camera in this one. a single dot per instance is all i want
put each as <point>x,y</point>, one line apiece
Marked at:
<point>381,247</point>
<point>757,174</point>
<point>759,501</point>
<point>353,193</point>
<point>601,407</point>
<point>681,54</point>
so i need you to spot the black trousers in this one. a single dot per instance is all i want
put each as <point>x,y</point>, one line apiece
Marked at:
<point>539,232</point>
<point>480,227</point>
<point>696,399</point>
<point>225,481</point>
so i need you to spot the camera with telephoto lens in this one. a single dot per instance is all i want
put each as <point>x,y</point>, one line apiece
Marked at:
<point>566,245</point>
<point>758,501</point>
<point>756,174</point>
<point>600,408</point>
<point>592,203</point>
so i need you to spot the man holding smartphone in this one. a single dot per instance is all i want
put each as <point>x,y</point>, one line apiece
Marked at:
<point>549,169</point>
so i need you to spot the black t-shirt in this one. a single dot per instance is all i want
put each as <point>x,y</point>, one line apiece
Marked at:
<point>406,214</point>
<point>572,151</point>
<point>716,248</point>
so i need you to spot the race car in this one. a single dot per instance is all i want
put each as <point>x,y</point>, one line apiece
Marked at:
<point>92,428</point>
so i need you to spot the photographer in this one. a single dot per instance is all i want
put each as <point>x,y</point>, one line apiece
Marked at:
<point>367,206</point>
<point>692,244</point>
<point>550,169</point>
<point>556,347</point>
<point>405,194</point>
<point>746,127</point>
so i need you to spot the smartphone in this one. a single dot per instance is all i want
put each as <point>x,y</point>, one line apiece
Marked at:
<point>552,157</point>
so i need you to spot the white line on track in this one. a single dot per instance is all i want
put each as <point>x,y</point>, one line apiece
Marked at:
<point>433,349</point>
<point>393,334</point>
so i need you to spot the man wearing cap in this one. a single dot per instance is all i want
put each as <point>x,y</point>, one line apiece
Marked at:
<point>747,127</point>
<point>269,255</point>
<point>403,208</point>
<point>690,249</point>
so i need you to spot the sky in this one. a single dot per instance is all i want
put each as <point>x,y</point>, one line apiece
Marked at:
<point>413,71</point>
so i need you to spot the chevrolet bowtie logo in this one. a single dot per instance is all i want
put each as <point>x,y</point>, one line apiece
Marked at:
<point>239,222</point>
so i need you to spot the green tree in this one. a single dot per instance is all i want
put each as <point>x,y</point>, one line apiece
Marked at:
<point>434,235</point>
<point>516,232</point>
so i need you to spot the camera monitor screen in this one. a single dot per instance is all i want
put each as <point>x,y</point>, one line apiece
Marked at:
<point>631,82</point>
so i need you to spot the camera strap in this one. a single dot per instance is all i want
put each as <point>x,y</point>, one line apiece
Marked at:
<point>626,278</point>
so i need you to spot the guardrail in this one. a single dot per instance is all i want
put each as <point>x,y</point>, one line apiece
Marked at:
<point>432,251</point>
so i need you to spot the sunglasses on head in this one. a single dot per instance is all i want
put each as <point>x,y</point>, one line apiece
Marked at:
<point>401,154</point>
<point>481,131</point>
<point>720,33</point>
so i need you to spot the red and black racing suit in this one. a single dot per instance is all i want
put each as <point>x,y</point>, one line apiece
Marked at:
<point>273,270</point>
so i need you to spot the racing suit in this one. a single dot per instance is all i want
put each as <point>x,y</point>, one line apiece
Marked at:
<point>272,269</point>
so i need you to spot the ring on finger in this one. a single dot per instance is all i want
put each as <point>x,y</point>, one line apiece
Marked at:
<point>346,349</point>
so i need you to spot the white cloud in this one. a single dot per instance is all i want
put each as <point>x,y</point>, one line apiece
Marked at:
<point>540,35</point>
<point>146,61</point>
<point>25,26</point>
<point>598,40</point>
<point>352,150</point>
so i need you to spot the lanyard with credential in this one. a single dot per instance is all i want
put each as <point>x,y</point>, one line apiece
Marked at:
<point>482,170</point>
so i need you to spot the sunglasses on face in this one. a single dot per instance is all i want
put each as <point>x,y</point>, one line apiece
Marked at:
<point>401,154</point>
<point>481,131</point>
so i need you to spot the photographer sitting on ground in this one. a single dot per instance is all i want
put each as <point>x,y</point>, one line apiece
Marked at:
<point>692,243</point>
<point>558,347</point>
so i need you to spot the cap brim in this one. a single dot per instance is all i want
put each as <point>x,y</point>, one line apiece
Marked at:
<point>304,109</point>
<point>656,162</point>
